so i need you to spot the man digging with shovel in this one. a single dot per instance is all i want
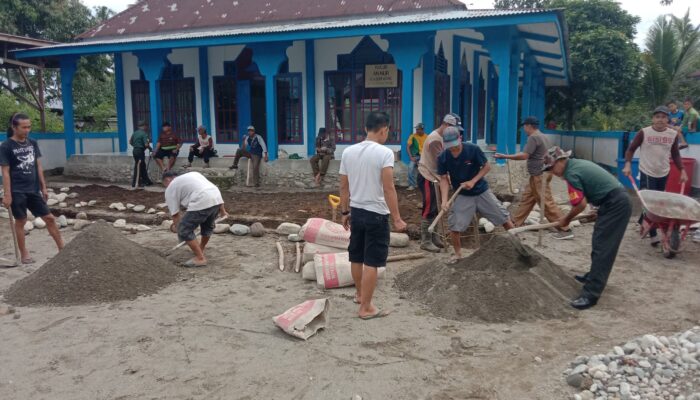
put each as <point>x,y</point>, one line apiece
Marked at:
<point>202,201</point>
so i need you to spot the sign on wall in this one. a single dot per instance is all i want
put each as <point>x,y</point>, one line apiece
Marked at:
<point>381,76</point>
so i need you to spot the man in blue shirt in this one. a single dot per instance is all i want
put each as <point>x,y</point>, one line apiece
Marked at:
<point>466,166</point>
<point>255,149</point>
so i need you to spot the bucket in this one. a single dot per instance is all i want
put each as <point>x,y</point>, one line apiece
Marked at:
<point>673,184</point>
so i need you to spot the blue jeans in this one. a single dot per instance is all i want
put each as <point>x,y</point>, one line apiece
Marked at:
<point>412,173</point>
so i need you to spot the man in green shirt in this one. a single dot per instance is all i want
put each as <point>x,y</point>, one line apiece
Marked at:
<point>589,183</point>
<point>691,118</point>
<point>140,142</point>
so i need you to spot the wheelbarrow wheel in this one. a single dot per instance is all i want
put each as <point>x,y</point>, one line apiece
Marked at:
<point>675,240</point>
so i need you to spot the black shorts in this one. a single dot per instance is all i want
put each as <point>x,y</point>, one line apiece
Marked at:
<point>32,201</point>
<point>369,238</point>
<point>161,154</point>
<point>204,219</point>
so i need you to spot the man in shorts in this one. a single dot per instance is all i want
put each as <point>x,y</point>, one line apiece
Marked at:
<point>465,165</point>
<point>24,184</point>
<point>367,199</point>
<point>168,146</point>
<point>202,203</point>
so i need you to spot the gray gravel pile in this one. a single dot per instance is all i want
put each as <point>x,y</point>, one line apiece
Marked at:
<point>649,367</point>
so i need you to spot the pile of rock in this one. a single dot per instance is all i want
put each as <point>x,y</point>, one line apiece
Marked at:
<point>648,367</point>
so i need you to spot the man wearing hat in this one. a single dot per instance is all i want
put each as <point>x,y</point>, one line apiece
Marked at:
<point>589,183</point>
<point>415,146</point>
<point>254,148</point>
<point>657,144</point>
<point>203,147</point>
<point>325,151</point>
<point>466,166</point>
<point>534,152</point>
<point>428,179</point>
<point>140,142</point>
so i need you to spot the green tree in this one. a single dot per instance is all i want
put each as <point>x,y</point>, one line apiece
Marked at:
<point>604,60</point>
<point>672,52</point>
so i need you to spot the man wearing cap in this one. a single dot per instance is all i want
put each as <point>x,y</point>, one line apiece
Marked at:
<point>168,145</point>
<point>428,178</point>
<point>325,151</point>
<point>466,166</point>
<point>656,143</point>
<point>203,147</point>
<point>415,146</point>
<point>254,148</point>
<point>589,183</point>
<point>140,142</point>
<point>534,152</point>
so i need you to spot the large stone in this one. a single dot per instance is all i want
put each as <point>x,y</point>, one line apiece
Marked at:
<point>72,195</point>
<point>63,204</point>
<point>161,205</point>
<point>39,223</point>
<point>288,228</point>
<point>65,189</point>
<point>151,211</point>
<point>239,230</point>
<point>80,224</point>
<point>61,197</point>
<point>142,228</point>
<point>120,223</point>
<point>81,215</point>
<point>166,224</point>
<point>83,203</point>
<point>28,226</point>
<point>62,221</point>
<point>92,203</point>
<point>117,206</point>
<point>574,380</point>
<point>139,208</point>
<point>294,238</point>
<point>398,239</point>
<point>130,206</point>
<point>4,213</point>
<point>221,228</point>
<point>257,230</point>
<point>51,202</point>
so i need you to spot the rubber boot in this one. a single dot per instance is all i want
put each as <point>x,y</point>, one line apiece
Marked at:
<point>437,241</point>
<point>426,242</point>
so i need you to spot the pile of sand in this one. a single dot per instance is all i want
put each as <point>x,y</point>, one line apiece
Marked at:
<point>99,265</point>
<point>495,284</point>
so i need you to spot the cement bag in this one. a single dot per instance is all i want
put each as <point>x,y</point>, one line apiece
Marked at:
<point>334,270</point>
<point>308,271</point>
<point>304,320</point>
<point>327,233</point>
<point>311,249</point>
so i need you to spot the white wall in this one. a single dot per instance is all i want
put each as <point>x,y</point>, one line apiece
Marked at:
<point>296,54</point>
<point>131,72</point>
<point>53,152</point>
<point>605,151</point>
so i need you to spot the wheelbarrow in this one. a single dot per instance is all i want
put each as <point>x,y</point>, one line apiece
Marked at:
<point>668,213</point>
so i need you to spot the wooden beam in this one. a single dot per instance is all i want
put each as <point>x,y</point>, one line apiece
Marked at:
<point>19,96</point>
<point>19,63</point>
<point>31,89</point>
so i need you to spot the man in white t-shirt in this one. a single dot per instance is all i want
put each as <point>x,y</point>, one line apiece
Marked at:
<point>201,201</point>
<point>367,198</point>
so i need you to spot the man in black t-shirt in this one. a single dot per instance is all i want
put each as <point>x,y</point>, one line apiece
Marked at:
<point>466,165</point>
<point>23,182</point>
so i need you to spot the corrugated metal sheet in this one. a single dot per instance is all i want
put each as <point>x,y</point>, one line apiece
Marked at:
<point>154,16</point>
<point>347,22</point>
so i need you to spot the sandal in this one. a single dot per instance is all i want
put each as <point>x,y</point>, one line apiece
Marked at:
<point>28,260</point>
<point>378,314</point>
<point>193,264</point>
<point>453,260</point>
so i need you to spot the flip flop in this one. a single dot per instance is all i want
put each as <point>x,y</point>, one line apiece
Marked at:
<point>192,264</point>
<point>28,260</point>
<point>354,300</point>
<point>378,314</point>
<point>453,260</point>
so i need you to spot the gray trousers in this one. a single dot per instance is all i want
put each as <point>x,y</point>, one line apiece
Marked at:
<point>610,226</point>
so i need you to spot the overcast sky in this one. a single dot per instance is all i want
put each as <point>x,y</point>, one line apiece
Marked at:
<point>648,10</point>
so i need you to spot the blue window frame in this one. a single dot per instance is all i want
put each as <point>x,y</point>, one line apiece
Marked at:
<point>290,124</point>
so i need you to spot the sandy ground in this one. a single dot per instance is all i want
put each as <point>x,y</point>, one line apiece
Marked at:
<point>210,335</point>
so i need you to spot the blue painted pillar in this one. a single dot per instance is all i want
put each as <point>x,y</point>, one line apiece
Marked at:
<point>121,105</point>
<point>528,97</point>
<point>407,49</point>
<point>68,66</point>
<point>309,47</point>
<point>476,90</point>
<point>428,106</point>
<point>204,88</point>
<point>490,118</point>
<point>539,98</point>
<point>245,117</point>
<point>505,54</point>
<point>456,70</point>
<point>151,62</point>
<point>269,56</point>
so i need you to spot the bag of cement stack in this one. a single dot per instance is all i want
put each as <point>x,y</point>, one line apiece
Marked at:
<point>304,320</point>
<point>327,233</point>
<point>308,271</point>
<point>333,270</point>
<point>311,249</point>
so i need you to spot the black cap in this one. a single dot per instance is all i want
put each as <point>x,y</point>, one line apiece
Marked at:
<point>531,121</point>
<point>662,109</point>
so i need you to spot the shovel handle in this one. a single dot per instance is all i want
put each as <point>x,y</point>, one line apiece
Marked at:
<point>431,228</point>
<point>545,226</point>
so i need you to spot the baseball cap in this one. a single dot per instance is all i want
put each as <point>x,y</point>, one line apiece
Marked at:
<point>662,109</point>
<point>531,121</point>
<point>420,125</point>
<point>450,137</point>
<point>553,154</point>
<point>454,120</point>
<point>251,128</point>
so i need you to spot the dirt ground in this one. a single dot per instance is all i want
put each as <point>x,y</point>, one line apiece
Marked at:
<point>210,335</point>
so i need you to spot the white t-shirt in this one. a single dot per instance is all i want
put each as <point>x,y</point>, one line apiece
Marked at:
<point>193,192</point>
<point>363,164</point>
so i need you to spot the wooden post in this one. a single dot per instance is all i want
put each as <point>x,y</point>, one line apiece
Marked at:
<point>42,102</point>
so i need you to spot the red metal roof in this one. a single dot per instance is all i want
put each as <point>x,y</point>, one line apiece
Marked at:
<point>156,16</point>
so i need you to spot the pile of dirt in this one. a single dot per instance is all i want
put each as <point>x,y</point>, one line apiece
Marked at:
<point>495,284</point>
<point>98,265</point>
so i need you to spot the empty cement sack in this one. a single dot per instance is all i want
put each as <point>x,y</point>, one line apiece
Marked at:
<point>304,320</point>
<point>327,233</point>
<point>335,271</point>
<point>311,249</point>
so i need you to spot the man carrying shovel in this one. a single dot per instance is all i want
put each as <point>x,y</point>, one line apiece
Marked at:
<point>466,166</point>
<point>201,201</point>
<point>588,182</point>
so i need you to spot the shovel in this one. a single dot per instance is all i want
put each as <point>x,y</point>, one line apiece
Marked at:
<point>519,245</point>
<point>437,219</point>
<point>18,259</point>
<point>169,252</point>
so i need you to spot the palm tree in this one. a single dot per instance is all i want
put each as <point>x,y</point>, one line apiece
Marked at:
<point>672,49</point>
